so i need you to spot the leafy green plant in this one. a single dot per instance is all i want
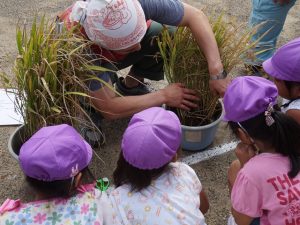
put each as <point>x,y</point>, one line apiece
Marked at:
<point>50,75</point>
<point>185,63</point>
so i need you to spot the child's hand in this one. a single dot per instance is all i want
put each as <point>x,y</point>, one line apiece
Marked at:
<point>244,152</point>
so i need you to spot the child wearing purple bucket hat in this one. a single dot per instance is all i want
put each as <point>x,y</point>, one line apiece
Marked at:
<point>284,67</point>
<point>265,180</point>
<point>151,188</point>
<point>54,160</point>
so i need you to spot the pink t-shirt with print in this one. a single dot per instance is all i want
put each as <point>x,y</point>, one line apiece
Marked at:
<point>263,189</point>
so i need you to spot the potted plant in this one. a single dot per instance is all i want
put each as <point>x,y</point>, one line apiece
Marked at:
<point>50,73</point>
<point>185,63</point>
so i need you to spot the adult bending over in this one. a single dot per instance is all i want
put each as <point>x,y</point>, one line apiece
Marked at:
<point>124,32</point>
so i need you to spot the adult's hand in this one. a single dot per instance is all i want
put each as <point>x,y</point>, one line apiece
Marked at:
<point>178,96</point>
<point>244,152</point>
<point>219,86</point>
<point>282,2</point>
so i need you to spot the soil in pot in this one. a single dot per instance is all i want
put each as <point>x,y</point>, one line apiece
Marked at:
<point>191,118</point>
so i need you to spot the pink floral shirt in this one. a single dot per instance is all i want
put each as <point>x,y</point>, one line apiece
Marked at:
<point>89,208</point>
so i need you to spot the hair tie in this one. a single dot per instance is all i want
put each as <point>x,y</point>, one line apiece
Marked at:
<point>78,13</point>
<point>74,170</point>
<point>268,113</point>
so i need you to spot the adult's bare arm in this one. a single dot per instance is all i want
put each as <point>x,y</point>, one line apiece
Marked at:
<point>197,21</point>
<point>114,107</point>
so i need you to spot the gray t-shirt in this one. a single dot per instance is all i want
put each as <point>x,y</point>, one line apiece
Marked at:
<point>169,12</point>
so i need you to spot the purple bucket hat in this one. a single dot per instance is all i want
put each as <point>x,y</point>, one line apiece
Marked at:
<point>55,153</point>
<point>152,138</point>
<point>285,63</point>
<point>247,97</point>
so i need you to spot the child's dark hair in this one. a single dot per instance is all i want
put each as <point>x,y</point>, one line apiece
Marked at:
<point>283,135</point>
<point>137,178</point>
<point>54,189</point>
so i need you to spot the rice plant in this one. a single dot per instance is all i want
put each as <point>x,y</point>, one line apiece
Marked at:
<point>50,75</point>
<point>185,63</point>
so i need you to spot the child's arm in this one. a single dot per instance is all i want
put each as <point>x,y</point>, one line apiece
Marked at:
<point>295,114</point>
<point>244,152</point>
<point>241,219</point>
<point>204,204</point>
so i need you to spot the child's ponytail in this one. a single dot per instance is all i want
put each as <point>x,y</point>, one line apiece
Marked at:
<point>287,140</point>
<point>283,135</point>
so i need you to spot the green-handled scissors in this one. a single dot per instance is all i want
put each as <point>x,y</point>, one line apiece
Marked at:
<point>102,184</point>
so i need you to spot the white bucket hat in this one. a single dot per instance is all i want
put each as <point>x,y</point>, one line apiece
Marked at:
<point>112,24</point>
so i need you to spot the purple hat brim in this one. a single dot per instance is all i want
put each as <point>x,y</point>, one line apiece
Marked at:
<point>269,69</point>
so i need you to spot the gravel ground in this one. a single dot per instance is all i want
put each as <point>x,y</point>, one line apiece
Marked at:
<point>212,172</point>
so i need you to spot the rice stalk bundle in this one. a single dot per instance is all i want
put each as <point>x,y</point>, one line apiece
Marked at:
<point>50,75</point>
<point>185,63</point>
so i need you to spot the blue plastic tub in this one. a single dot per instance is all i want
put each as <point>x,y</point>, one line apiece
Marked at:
<point>198,138</point>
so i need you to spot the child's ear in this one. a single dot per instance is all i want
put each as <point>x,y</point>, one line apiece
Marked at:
<point>77,179</point>
<point>244,137</point>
